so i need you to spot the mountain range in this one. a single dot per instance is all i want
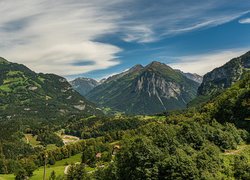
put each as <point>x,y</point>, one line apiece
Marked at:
<point>149,89</point>
<point>145,90</point>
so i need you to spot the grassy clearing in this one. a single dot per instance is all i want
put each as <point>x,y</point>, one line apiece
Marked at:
<point>51,146</point>
<point>32,140</point>
<point>7,176</point>
<point>5,88</point>
<point>58,167</point>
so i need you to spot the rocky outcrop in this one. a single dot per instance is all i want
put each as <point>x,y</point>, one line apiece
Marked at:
<point>224,76</point>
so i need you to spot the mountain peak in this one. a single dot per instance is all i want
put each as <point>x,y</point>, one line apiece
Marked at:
<point>155,63</point>
<point>137,67</point>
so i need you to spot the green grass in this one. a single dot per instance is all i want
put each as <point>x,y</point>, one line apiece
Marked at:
<point>58,167</point>
<point>72,159</point>
<point>7,176</point>
<point>5,88</point>
<point>51,146</point>
<point>13,73</point>
<point>32,140</point>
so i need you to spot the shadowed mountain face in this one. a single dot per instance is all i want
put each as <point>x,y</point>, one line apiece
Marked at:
<point>84,85</point>
<point>24,93</point>
<point>145,90</point>
<point>224,76</point>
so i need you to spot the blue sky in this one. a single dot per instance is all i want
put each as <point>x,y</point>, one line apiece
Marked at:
<point>96,39</point>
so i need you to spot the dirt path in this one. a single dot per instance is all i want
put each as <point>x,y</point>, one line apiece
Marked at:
<point>66,169</point>
<point>237,151</point>
<point>69,139</point>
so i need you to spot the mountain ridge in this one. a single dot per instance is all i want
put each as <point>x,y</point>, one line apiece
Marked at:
<point>145,90</point>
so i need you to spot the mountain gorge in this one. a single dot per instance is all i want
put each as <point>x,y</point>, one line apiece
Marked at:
<point>145,90</point>
<point>26,94</point>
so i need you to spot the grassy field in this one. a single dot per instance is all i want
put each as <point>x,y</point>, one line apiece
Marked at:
<point>32,140</point>
<point>58,167</point>
<point>7,177</point>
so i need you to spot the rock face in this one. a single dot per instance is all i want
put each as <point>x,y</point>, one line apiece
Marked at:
<point>224,76</point>
<point>195,77</point>
<point>28,95</point>
<point>145,90</point>
<point>84,85</point>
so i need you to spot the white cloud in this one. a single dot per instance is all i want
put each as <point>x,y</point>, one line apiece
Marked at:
<point>169,17</point>
<point>244,21</point>
<point>203,63</point>
<point>53,36</point>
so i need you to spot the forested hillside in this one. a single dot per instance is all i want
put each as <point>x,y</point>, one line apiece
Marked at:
<point>25,94</point>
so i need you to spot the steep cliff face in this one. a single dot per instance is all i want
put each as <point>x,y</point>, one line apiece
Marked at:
<point>224,76</point>
<point>145,90</point>
<point>84,85</point>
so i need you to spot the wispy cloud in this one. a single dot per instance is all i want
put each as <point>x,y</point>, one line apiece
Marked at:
<point>63,36</point>
<point>53,36</point>
<point>154,21</point>
<point>203,63</point>
<point>244,21</point>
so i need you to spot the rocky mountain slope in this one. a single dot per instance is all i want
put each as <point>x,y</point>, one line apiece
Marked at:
<point>224,76</point>
<point>193,76</point>
<point>26,94</point>
<point>145,90</point>
<point>84,85</point>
